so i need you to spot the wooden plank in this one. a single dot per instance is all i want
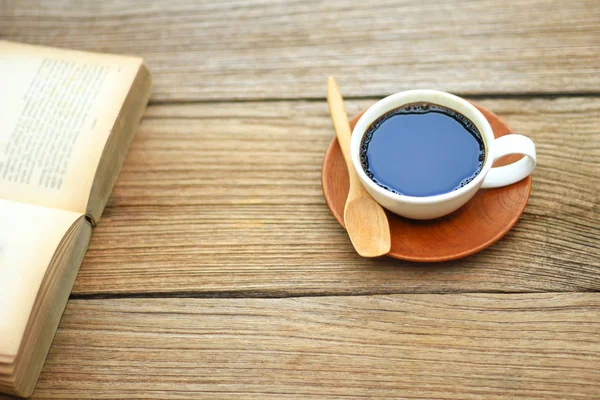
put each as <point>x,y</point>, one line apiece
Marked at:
<point>521,346</point>
<point>225,199</point>
<point>235,49</point>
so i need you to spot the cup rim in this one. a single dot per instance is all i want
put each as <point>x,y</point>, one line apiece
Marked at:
<point>431,96</point>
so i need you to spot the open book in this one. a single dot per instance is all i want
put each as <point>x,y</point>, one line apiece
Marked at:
<point>67,119</point>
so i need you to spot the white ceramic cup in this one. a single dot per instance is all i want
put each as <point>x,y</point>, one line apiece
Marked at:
<point>429,207</point>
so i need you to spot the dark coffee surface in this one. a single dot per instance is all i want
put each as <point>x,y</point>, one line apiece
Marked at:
<point>422,149</point>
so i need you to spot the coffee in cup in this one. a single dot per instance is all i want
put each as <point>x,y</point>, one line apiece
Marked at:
<point>422,149</point>
<point>424,153</point>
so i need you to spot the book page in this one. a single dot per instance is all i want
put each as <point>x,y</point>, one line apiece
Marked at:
<point>57,110</point>
<point>29,237</point>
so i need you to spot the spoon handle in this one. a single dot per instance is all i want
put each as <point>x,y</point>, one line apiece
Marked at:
<point>342,129</point>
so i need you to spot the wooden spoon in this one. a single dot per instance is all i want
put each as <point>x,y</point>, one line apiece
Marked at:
<point>364,218</point>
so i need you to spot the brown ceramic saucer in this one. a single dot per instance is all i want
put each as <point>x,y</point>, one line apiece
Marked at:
<point>488,216</point>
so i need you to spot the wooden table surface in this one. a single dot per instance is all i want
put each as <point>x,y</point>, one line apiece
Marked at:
<point>217,270</point>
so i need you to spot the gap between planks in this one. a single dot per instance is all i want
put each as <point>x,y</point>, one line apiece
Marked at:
<point>472,96</point>
<point>245,294</point>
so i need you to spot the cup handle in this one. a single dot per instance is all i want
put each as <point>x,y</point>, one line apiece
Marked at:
<point>509,174</point>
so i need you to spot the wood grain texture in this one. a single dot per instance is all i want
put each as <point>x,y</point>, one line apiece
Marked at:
<point>225,200</point>
<point>235,49</point>
<point>521,346</point>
